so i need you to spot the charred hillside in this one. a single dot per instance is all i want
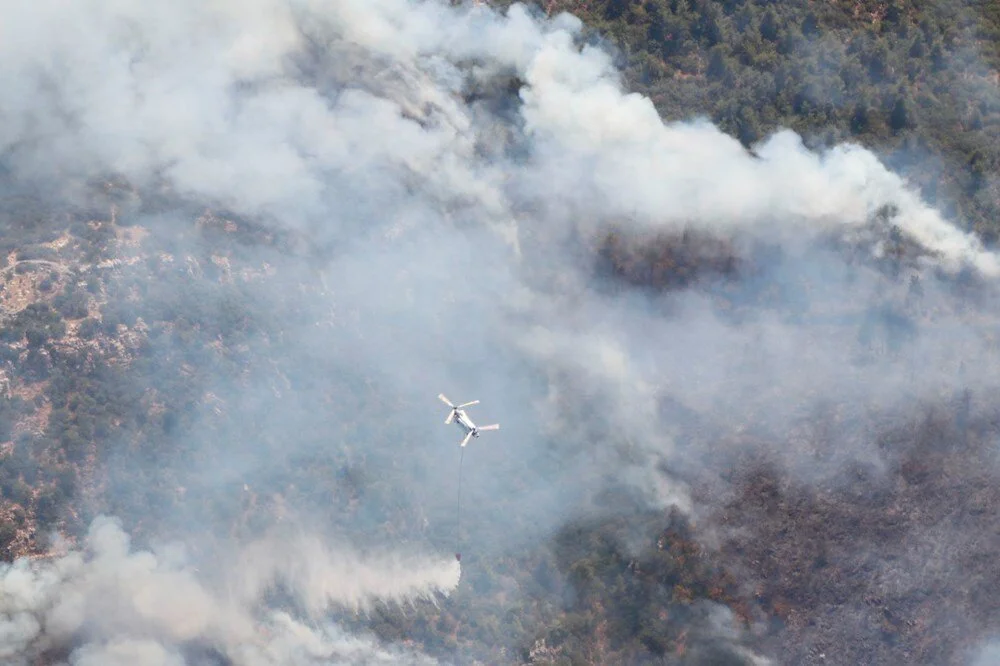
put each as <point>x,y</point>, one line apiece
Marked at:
<point>666,261</point>
<point>746,396</point>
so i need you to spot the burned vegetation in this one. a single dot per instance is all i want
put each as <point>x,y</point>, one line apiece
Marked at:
<point>108,369</point>
<point>886,557</point>
<point>879,565</point>
<point>662,261</point>
<point>137,362</point>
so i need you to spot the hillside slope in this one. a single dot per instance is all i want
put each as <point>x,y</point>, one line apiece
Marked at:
<point>915,81</point>
<point>747,401</point>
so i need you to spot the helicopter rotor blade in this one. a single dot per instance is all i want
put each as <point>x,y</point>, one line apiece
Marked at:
<point>445,400</point>
<point>469,404</point>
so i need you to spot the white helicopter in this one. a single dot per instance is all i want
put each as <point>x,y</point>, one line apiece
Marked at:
<point>459,416</point>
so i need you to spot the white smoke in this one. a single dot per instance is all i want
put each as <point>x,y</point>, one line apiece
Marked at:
<point>348,121</point>
<point>207,96</point>
<point>985,655</point>
<point>126,606</point>
<point>320,577</point>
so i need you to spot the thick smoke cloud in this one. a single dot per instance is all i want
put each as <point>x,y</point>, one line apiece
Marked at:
<point>451,171</point>
<point>207,98</point>
<point>138,607</point>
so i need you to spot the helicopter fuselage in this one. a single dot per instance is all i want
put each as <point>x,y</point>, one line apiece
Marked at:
<point>463,421</point>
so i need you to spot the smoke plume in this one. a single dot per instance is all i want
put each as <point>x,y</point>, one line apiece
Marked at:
<point>127,606</point>
<point>406,197</point>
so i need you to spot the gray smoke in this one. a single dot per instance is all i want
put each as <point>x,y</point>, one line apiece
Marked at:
<point>127,606</point>
<point>451,223</point>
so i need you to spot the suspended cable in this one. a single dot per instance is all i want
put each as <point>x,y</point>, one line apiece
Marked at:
<point>458,520</point>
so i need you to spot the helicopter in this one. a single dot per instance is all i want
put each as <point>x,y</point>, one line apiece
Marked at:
<point>459,416</point>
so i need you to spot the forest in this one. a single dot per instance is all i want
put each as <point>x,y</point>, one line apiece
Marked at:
<point>175,362</point>
<point>915,81</point>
